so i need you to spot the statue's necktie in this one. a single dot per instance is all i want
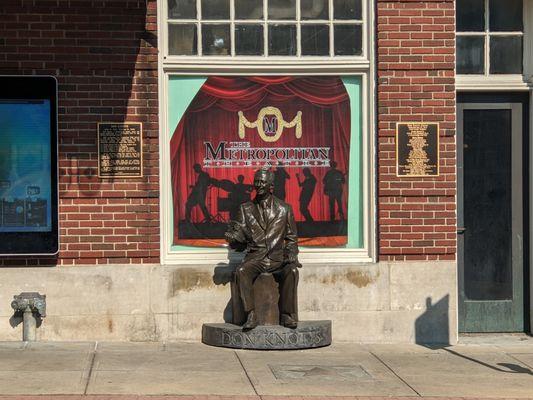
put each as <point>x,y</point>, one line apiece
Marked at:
<point>264,210</point>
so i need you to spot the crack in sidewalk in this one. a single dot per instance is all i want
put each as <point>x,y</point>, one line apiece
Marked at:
<point>395,374</point>
<point>89,375</point>
<point>247,376</point>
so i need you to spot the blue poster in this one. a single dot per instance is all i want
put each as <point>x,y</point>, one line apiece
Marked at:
<point>25,166</point>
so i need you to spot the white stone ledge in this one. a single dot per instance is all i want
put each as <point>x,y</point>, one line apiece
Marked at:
<point>385,302</point>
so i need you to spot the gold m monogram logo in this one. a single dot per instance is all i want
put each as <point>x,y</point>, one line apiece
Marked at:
<point>270,124</point>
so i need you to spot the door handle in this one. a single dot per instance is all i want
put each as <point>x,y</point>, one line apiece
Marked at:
<point>461,230</point>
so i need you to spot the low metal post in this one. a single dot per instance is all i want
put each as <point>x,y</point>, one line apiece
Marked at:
<point>29,326</point>
<point>31,305</point>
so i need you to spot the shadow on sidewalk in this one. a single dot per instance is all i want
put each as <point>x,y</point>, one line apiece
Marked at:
<point>511,368</point>
<point>432,331</point>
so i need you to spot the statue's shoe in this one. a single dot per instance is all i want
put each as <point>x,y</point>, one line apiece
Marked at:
<point>288,321</point>
<point>251,321</point>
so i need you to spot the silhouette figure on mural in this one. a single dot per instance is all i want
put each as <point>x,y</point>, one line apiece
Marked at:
<point>240,193</point>
<point>333,184</point>
<point>280,180</point>
<point>306,193</point>
<point>198,194</point>
<point>265,227</point>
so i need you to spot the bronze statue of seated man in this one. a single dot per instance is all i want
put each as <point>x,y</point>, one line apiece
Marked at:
<point>266,230</point>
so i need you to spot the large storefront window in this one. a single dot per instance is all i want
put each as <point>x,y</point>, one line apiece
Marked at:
<point>306,129</point>
<point>307,115</point>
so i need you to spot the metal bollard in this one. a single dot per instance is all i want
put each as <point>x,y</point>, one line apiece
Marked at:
<point>31,305</point>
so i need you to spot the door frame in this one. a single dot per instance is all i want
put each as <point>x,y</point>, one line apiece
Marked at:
<point>529,237</point>
<point>518,210</point>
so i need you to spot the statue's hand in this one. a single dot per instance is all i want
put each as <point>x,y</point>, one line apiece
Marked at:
<point>230,236</point>
<point>293,259</point>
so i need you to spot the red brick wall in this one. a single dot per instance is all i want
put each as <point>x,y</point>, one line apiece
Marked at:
<point>104,55</point>
<point>416,60</point>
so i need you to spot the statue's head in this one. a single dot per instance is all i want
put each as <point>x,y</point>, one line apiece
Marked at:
<point>263,181</point>
<point>197,168</point>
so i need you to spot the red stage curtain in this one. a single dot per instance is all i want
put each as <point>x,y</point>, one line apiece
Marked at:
<point>212,115</point>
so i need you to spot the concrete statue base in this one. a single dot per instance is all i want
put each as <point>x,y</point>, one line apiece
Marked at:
<point>308,334</point>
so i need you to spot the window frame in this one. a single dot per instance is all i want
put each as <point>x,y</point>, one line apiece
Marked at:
<point>366,11</point>
<point>487,81</point>
<point>230,66</point>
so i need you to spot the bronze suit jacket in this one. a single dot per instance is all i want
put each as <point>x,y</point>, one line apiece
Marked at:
<point>274,238</point>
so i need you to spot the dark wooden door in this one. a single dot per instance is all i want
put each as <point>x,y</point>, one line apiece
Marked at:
<point>490,217</point>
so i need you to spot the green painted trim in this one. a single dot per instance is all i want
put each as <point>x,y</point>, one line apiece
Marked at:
<point>199,250</point>
<point>181,92</point>
<point>355,181</point>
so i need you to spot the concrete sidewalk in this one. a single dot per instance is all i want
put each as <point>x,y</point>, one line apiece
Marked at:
<point>496,369</point>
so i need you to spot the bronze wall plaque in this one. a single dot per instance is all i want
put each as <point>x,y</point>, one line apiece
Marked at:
<point>417,149</point>
<point>120,150</point>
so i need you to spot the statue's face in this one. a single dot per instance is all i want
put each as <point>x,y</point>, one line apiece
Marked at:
<point>262,184</point>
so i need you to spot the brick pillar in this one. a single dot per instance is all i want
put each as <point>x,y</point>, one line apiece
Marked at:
<point>416,82</point>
